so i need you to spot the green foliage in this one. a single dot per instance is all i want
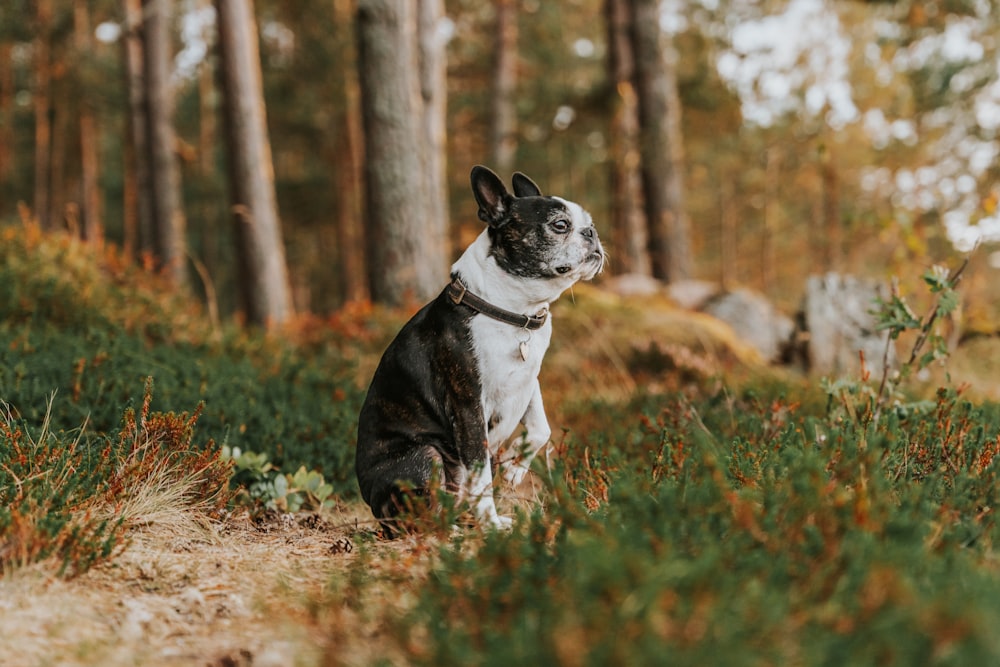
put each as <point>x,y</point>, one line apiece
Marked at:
<point>70,497</point>
<point>91,328</point>
<point>783,538</point>
<point>258,484</point>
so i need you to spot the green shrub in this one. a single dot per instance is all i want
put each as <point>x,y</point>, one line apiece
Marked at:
<point>89,327</point>
<point>783,539</point>
<point>69,496</point>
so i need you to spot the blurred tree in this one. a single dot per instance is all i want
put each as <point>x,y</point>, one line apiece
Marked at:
<point>91,228</point>
<point>661,144</point>
<point>41,100</point>
<point>137,222</point>
<point>166,238</point>
<point>432,38</point>
<point>628,223</point>
<point>406,258</point>
<point>503,120</point>
<point>264,283</point>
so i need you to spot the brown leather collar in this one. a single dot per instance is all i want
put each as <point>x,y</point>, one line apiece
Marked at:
<point>460,294</point>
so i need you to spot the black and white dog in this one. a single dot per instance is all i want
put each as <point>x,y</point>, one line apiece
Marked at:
<point>459,377</point>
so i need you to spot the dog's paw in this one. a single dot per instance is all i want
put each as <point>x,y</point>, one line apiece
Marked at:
<point>502,523</point>
<point>514,474</point>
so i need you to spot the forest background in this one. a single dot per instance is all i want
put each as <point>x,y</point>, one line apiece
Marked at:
<point>813,136</point>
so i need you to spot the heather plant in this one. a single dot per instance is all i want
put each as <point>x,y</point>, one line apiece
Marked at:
<point>70,497</point>
<point>786,539</point>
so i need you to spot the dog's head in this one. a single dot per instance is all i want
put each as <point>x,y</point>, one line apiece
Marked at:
<point>533,236</point>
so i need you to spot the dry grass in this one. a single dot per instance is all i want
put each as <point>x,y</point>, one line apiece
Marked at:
<point>231,593</point>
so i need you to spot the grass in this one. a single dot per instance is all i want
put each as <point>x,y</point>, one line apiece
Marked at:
<point>700,508</point>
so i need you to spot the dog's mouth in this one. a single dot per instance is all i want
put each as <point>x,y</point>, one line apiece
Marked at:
<point>564,269</point>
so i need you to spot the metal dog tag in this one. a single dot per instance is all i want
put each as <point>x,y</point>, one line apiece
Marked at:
<point>522,347</point>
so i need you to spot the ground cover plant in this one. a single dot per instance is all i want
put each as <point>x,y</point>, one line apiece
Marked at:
<point>694,509</point>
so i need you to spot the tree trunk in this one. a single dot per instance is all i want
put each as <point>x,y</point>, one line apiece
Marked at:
<point>169,225</point>
<point>503,131</point>
<point>263,271</point>
<point>6,119</point>
<point>832,229</point>
<point>405,262</point>
<point>138,197</point>
<point>43,125</point>
<point>90,194</point>
<point>347,167</point>
<point>627,218</point>
<point>431,42</point>
<point>662,147</point>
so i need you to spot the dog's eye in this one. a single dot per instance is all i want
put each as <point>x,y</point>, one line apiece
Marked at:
<point>560,225</point>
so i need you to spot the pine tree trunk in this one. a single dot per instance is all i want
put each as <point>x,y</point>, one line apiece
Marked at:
<point>662,145</point>
<point>168,215</point>
<point>43,126</point>
<point>503,133</point>
<point>405,263</point>
<point>138,197</point>
<point>431,44</point>
<point>627,217</point>
<point>347,168</point>
<point>6,119</point>
<point>263,270</point>
<point>90,194</point>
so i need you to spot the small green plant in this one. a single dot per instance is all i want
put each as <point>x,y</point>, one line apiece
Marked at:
<point>257,483</point>
<point>864,402</point>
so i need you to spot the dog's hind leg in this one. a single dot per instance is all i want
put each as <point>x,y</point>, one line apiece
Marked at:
<point>405,487</point>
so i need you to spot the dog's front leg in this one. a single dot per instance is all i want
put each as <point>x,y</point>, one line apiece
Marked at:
<point>537,434</point>
<point>481,496</point>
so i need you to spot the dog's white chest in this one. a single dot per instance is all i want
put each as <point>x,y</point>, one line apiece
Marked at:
<point>509,360</point>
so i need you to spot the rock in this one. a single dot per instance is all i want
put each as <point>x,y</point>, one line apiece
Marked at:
<point>692,294</point>
<point>837,322</point>
<point>755,320</point>
<point>633,284</point>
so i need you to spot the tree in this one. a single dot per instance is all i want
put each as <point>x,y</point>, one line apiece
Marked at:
<point>431,42</point>
<point>662,144</point>
<point>406,257</point>
<point>263,272</point>
<point>503,123</point>
<point>165,235</point>
<point>90,195</point>
<point>628,222</point>
<point>43,126</point>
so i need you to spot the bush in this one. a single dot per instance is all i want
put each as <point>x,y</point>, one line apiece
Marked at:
<point>782,539</point>
<point>70,497</point>
<point>90,327</point>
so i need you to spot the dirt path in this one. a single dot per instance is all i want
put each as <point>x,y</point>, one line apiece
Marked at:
<point>238,594</point>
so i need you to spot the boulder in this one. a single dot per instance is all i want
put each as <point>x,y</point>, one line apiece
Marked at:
<point>755,320</point>
<point>837,322</point>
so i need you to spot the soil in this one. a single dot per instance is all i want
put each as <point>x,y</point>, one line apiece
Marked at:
<point>240,592</point>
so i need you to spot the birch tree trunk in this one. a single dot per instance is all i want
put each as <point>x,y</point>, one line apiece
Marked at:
<point>264,280</point>
<point>404,261</point>
<point>662,144</point>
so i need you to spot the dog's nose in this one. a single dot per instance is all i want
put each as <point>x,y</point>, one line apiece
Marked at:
<point>588,232</point>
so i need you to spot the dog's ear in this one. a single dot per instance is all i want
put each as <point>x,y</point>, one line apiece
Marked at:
<point>524,186</point>
<point>491,195</point>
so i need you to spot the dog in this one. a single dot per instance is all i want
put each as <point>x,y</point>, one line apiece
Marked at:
<point>463,373</point>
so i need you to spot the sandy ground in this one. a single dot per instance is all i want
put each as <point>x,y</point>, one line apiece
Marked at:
<point>239,593</point>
